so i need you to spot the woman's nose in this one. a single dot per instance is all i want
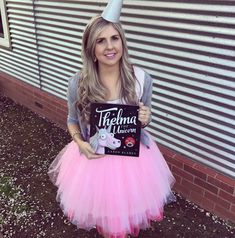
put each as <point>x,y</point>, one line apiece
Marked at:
<point>109,44</point>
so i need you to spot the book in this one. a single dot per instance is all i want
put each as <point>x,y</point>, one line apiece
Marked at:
<point>115,129</point>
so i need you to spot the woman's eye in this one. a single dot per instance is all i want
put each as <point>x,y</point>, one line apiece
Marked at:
<point>99,41</point>
<point>115,38</point>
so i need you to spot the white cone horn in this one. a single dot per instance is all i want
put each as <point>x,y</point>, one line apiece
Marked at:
<point>112,11</point>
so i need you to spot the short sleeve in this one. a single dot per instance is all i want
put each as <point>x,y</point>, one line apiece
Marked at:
<point>72,99</point>
<point>147,91</point>
<point>144,86</point>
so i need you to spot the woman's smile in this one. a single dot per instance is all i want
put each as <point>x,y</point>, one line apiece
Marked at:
<point>110,55</point>
<point>108,49</point>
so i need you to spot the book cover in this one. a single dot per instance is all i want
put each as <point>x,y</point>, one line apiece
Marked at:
<point>115,129</point>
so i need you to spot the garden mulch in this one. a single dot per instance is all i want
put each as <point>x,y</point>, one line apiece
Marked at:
<point>28,207</point>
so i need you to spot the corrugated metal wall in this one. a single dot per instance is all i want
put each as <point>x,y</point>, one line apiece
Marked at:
<point>187,46</point>
<point>22,61</point>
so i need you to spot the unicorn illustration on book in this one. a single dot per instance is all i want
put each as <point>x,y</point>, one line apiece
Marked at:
<point>104,138</point>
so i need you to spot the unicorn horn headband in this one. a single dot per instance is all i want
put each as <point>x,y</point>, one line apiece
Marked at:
<point>112,11</point>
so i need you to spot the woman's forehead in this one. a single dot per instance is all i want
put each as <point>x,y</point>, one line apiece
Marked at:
<point>107,31</point>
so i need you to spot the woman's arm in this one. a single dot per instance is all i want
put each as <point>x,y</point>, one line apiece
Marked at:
<point>73,122</point>
<point>145,104</point>
<point>84,146</point>
<point>144,115</point>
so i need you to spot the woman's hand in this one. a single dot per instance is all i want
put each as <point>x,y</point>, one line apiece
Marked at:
<point>144,114</point>
<point>87,150</point>
<point>84,146</point>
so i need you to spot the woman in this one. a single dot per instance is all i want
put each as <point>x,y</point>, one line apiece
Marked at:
<point>117,195</point>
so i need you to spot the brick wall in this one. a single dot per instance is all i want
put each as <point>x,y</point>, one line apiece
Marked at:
<point>200,184</point>
<point>38,101</point>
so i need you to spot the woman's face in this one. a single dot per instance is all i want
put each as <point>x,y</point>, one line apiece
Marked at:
<point>108,48</point>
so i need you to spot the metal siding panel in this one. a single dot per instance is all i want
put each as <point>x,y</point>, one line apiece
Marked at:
<point>59,42</point>
<point>190,54</point>
<point>187,46</point>
<point>22,61</point>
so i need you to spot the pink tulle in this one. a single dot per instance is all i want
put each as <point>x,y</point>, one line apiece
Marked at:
<point>118,195</point>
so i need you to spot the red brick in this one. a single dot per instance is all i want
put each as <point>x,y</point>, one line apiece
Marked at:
<point>48,103</point>
<point>184,191</point>
<point>232,209</point>
<point>178,179</point>
<point>192,187</point>
<point>226,180</point>
<point>63,107</point>
<point>62,115</point>
<point>195,172</point>
<point>37,94</point>
<point>50,97</point>
<point>173,161</point>
<point>217,182</point>
<point>166,152</point>
<point>230,198</point>
<point>196,197</point>
<point>184,160</point>
<point>206,185</point>
<point>49,114</point>
<point>61,100</point>
<point>182,173</point>
<point>53,103</point>
<point>208,204</point>
<point>219,201</point>
<point>224,214</point>
<point>57,104</point>
<point>205,170</point>
<point>49,109</point>
<point>38,100</point>
<point>26,87</point>
<point>62,123</point>
<point>28,96</point>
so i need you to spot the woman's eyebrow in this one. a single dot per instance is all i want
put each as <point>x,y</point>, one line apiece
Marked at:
<point>101,38</point>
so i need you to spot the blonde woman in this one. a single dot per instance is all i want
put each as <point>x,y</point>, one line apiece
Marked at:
<point>118,196</point>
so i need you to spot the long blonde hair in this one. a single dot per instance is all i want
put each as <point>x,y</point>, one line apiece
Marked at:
<point>90,88</point>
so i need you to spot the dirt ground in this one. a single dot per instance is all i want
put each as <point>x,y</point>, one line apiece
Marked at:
<point>28,208</point>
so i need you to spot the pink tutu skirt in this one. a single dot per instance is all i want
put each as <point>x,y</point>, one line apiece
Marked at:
<point>118,195</point>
